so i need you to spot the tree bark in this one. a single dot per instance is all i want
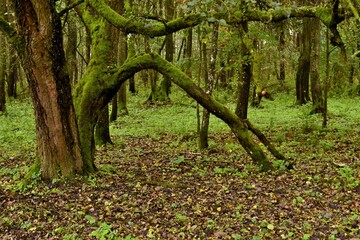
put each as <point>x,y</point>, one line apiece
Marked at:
<point>40,48</point>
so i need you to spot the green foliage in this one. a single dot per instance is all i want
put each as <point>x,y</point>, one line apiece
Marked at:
<point>347,177</point>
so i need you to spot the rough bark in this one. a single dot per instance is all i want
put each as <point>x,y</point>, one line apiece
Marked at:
<point>39,45</point>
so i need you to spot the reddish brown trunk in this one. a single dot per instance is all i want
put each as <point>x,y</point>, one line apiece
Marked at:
<point>43,59</point>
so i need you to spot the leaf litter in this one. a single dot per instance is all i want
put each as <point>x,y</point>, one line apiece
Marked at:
<point>163,188</point>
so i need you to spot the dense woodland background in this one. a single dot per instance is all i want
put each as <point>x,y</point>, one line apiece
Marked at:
<point>133,104</point>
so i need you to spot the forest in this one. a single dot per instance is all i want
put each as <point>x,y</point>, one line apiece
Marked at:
<point>180,119</point>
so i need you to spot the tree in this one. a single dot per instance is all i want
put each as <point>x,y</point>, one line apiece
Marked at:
<point>65,131</point>
<point>302,75</point>
<point>42,56</point>
<point>2,63</point>
<point>316,89</point>
<point>209,84</point>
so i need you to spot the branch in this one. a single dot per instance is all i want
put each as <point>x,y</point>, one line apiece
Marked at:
<point>156,28</point>
<point>73,5</point>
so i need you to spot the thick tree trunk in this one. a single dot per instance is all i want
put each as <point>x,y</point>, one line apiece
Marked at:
<point>42,55</point>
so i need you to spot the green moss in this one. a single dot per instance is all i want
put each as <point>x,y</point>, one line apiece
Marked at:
<point>324,15</point>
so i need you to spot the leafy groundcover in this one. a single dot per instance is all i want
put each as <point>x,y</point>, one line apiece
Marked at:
<point>158,188</point>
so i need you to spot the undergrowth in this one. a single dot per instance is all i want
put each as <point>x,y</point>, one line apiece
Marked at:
<point>154,183</point>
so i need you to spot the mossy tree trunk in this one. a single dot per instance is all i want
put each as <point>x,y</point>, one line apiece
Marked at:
<point>238,127</point>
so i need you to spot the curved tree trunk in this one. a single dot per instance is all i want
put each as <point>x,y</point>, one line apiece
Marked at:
<point>154,61</point>
<point>39,29</point>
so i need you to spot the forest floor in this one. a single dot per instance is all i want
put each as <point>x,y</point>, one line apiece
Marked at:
<point>154,183</point>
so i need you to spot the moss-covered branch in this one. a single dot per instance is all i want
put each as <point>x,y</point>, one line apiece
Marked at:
<point>156,28</point>
<point>155,61</point>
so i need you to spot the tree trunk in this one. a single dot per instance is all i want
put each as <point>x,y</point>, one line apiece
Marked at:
<point>13,73</point>
<point>188,52</point>
<point>102,133</point>
<point>209,84</point>
<point>122,55</point>
<point>302,75</point>
<point>282,54</point>
<point>169,48</point>
<point>316,91</point>
<point>71,49</point>
<point>237,126</point>
<point>2,62</point>
<point>245,75</point>
<point>58,144</point>
<point>2,68</point>
<point>131,52</point>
